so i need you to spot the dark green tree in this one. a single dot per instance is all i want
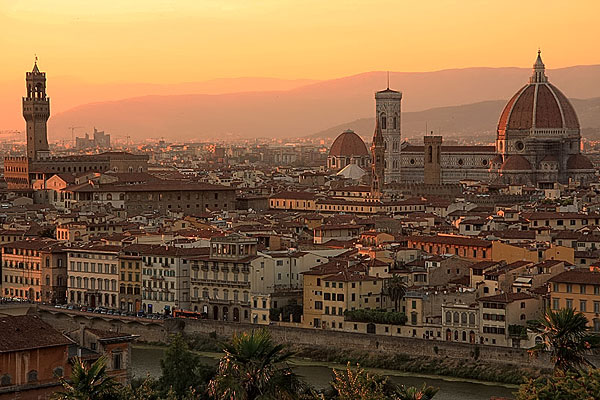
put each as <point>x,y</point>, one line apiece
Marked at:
<point>89,383</point>
<point>254,368</point>
<point>565,335</point>
<point>182,371</point>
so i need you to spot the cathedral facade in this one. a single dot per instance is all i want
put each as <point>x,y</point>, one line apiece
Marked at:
<point>538,142</point>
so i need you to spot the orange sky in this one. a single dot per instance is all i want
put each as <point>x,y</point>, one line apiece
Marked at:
<point>164,41</point>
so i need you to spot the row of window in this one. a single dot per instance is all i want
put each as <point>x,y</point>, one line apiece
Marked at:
<point>12,292</point>
<point>96,256</point>
<point>93,267</point>
<point>561,222</point>
<point>494,330</point>
<point>99,300</point>
<point>498,306</point>
<point>215,276</point>
<point>216,295</point>
<point>158,284</point>
<point>494,317</point>
<point>332,297</point>
<point>93,283</point>
<point>583,289</point>
<point>159,296</point>
<point>22,280</point>
<point>158,272</point>
<point>456,318</point>
<point>583,305</point>
<point>22,265</point>
<point>332,311</point>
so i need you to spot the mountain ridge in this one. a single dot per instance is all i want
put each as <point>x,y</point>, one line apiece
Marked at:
<point>311,108</point>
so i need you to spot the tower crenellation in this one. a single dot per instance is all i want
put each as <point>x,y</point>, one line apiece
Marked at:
<point>36,111</point>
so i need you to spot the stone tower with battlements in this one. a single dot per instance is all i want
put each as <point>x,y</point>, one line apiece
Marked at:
<point>36,111</point>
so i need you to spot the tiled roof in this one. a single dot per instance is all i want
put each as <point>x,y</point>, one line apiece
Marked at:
<point>577,276</point>
<point>506,297</point>
<point>24,332</point>
<point>348,144</point>
<point>451,240</point>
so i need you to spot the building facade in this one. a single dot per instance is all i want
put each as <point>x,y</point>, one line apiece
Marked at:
<point>35,270</point>
<point>93,271</point>
<point>221,279</point>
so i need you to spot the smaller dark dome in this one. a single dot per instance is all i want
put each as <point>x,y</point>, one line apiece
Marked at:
<point>579,161</point>
<point>516,163</point>
<point>348,144</point>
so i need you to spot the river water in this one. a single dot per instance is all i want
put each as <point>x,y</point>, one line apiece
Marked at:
<point>146,361</point>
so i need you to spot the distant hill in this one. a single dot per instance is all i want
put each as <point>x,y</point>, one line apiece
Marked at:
<point>303,110</point>
<point>478,120</point>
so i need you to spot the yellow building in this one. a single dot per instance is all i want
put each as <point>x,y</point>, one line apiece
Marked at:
<point>302,201</point>
<point>580,291</point>
<point>332,288</point>
<point>511,253</point>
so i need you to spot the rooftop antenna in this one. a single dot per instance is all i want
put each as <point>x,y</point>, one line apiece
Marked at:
<point>388,80</point>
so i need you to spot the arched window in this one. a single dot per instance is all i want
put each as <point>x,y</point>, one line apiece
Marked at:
<point>395,122</point>
<point>383,121</point>
<point>463,318</point>
<point>5,380</point>
<point>430,154</point>
<point>32,376</point>
<point>471,319</point>
<point>448,317</point>
<point>456,319</point>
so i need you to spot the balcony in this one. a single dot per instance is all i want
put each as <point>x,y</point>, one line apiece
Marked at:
<point>157,278</point>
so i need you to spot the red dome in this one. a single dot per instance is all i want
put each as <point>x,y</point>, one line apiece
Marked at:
<point>539,105</point>
<point>579,161</point>
<point>516,163</point>
<point>348,144</point>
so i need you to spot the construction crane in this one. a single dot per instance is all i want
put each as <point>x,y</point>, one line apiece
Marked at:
<point>72,128</point>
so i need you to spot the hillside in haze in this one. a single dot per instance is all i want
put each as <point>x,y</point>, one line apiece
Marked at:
<point>67,93</point>
<point>478,120</point>
<point>307,109</point>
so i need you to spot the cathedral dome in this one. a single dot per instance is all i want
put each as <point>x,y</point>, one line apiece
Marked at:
<point>348,144</point>
<point>538,105</point>
<point>578,162</point>
<point>516,163</point>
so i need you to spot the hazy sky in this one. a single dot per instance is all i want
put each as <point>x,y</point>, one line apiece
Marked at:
<point>167,41</point>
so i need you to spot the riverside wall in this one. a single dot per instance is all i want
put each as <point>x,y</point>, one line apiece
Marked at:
<point>161,331</point>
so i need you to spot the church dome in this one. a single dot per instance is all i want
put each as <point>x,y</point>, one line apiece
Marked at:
<point>516,163</point>
<point>579,161</point>
<point>348,144</point>
<point>538,105</point>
